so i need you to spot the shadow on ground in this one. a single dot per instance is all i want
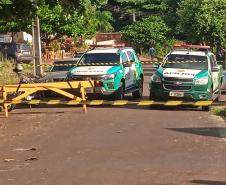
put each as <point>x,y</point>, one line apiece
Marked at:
<point>219,132</point>
<point>205,182</point>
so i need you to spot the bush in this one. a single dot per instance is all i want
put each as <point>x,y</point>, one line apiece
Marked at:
<point>7,76</point>
<point>220,111</point>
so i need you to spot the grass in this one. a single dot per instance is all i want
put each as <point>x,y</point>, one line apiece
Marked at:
<point>220,111</point>
<point>7,76</point>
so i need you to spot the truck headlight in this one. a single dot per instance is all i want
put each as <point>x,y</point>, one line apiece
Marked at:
<point>108,76</point>
<point>155,78</point>
<point>201,81</point>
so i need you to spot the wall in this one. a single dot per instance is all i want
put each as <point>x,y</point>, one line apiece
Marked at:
<point>112,38</point>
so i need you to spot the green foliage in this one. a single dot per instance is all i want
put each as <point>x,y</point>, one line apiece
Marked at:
<point>13,10</point>
<point>3,2</point>
<point>171,17</point>
<point>7,76</point>
<point>163,48</point>
<point>55,44</point>
<point>103,24</point>
<point>153,6</point>
<point>15,26</point>
<point>220,111</point>
<point>55,23</point>
<point>203,20</point>
<point>57,18</point>
<point>148,31</point>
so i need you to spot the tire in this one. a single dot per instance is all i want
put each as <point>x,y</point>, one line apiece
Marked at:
<point>207,108</point>
<point>120,92</point>
<point>154,99</point>
<point>219,94</point>
<point>138,94</point>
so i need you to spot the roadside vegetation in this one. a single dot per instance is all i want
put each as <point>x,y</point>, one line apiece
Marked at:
<point>7,76</point>
<point>219,112</point>
<point>142,23</point>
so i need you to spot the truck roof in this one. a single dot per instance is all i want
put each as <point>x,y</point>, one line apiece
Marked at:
<point>108,50</point>
<point>104,50</point>
<point>186,52</point>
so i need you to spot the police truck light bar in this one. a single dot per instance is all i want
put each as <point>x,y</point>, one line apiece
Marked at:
<point>113,45</point>
<point>190,46</point>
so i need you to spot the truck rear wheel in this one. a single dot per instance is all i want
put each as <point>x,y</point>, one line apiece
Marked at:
<point>138,94</point>
<point>219,93</point>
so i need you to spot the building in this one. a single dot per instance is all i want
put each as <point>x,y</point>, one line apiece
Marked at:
<point>17,37</point>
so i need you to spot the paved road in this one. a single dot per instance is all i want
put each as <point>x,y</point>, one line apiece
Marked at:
<point>125,145</point>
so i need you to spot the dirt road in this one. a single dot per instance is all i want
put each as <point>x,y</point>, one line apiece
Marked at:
<point>112,145</point>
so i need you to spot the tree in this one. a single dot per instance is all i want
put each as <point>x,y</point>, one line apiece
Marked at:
<point>171,18</point>
<point>13,10</point>
<point>203,21</point>
<point>146,32</point>
<point>103,24</point>
<point>55,23</point>
<point>144,6</point>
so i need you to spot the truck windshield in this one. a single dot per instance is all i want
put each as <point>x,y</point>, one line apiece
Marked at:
<point>186,62</point>
<point>99,58</point>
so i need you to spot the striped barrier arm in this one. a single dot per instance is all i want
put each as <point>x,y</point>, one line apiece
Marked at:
<point>117,102</point>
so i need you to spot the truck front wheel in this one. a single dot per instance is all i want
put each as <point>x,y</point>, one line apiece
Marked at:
<point>207,108</point>
<point>120,92</point>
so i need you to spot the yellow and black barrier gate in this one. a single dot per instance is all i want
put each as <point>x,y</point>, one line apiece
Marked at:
<point>84,102</point>
<point>57,87</point>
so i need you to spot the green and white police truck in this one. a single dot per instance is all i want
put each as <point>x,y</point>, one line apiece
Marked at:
<point>188,72</point>
<point>115,69</point>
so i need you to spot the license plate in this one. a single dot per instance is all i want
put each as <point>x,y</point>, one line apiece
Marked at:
<point>176,94</point>
<point>89,90</point>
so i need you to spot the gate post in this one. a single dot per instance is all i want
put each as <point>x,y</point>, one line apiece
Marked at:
<point>82,90</point>
<point>5,105</point>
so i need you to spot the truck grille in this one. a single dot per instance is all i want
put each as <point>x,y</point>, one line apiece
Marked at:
<point>175,87</point>
<point>58,79</point>
<point>84,77</point>
<point>178,79</point>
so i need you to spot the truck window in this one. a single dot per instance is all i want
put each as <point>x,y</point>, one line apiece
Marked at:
<point>124,58</point>
<point>130,55</point>
<point>186,62</point>
<point>99,58</point>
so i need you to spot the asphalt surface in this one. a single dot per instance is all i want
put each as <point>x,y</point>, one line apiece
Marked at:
<point>112,145</point>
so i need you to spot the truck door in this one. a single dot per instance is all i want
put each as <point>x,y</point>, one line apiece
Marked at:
<point>128,71</point>
<point>133,70</point>
<point>215,75</point>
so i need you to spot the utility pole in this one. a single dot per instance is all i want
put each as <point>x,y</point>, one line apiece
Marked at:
<point>36,47</point>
